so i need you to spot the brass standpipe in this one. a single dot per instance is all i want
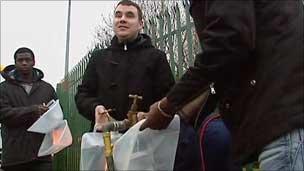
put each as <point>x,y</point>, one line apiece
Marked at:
<point>108,151</point>
<point>108,147</point>
<point>132,113</point>
<point>132,120</point>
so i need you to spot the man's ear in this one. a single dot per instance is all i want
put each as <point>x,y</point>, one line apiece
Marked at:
<point>141,23</point>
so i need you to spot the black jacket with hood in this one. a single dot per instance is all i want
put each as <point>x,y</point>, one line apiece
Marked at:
<point>17,114</point>
<point>122,69</point>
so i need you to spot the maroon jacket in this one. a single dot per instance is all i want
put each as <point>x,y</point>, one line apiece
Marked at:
<point>253,51</point>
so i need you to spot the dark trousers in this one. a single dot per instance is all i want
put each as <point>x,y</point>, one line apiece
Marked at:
<point>31,166</point>
<point>215,142</point>
<point>187,156</point>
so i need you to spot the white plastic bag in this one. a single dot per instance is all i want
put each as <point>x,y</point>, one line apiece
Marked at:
<point>56,140</point>
<point>92,157</point>
<point>135,150</point>
<point>148,149</point>
<point>92,150</point>
<point>49,120</point>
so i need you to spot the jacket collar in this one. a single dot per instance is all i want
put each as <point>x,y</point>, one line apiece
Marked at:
<point>142,41</point>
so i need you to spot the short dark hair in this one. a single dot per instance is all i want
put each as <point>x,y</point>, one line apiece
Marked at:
<point>24,50</point>
<point>131,3</point>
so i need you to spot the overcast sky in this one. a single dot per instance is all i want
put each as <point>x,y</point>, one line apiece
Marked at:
<point>41,26</point>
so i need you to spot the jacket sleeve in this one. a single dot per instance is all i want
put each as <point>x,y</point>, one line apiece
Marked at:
<point>85,98</point>
<point>164,79</point>
<point>15,116</point>
<point>226,30</point>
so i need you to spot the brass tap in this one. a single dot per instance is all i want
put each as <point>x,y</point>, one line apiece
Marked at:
<point>132,114</point>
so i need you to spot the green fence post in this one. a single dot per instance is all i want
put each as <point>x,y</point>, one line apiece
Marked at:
<point>180,69</point>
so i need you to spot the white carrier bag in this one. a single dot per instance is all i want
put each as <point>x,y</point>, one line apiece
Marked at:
<point>49,120</point>
<point>135,150</point>
<point>91,157</point>
<point>56,140</point>
<point>92,150</point>
<point>56,130</point>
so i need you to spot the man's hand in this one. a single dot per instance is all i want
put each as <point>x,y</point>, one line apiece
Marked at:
<point>40,109</point>
<point>155,119</point>
<point>101,115</point>
<point>141,115</point>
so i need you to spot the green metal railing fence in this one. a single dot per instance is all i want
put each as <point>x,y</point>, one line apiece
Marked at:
<point>171,31</point>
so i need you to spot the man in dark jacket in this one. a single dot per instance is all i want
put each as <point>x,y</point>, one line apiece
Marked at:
<point>22,98</point>
<point>253,51</point>
<point>131,65</point>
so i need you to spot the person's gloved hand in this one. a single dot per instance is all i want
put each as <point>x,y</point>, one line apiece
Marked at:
<point>155,118</point>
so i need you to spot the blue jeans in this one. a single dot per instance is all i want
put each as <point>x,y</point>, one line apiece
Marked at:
<point>216,146</point>
<point>284,154</point>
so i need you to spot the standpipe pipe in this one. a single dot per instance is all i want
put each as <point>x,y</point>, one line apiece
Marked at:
<point>108,151</point>
<point>117,126</point>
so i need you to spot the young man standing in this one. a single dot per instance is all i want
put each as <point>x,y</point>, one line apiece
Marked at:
<point>131,65</point>
<point>22,98</point>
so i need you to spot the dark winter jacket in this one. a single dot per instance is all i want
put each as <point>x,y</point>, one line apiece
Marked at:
<point>114,73</point>
<point>253,51</point>
<point>17,114</point>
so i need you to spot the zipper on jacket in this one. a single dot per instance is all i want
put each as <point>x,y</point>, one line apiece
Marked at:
<point>125,47</point>
<point>212,88</point>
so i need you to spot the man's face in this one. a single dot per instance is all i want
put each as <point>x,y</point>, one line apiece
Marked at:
<point>24,62</point>
<point>126,23</point>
